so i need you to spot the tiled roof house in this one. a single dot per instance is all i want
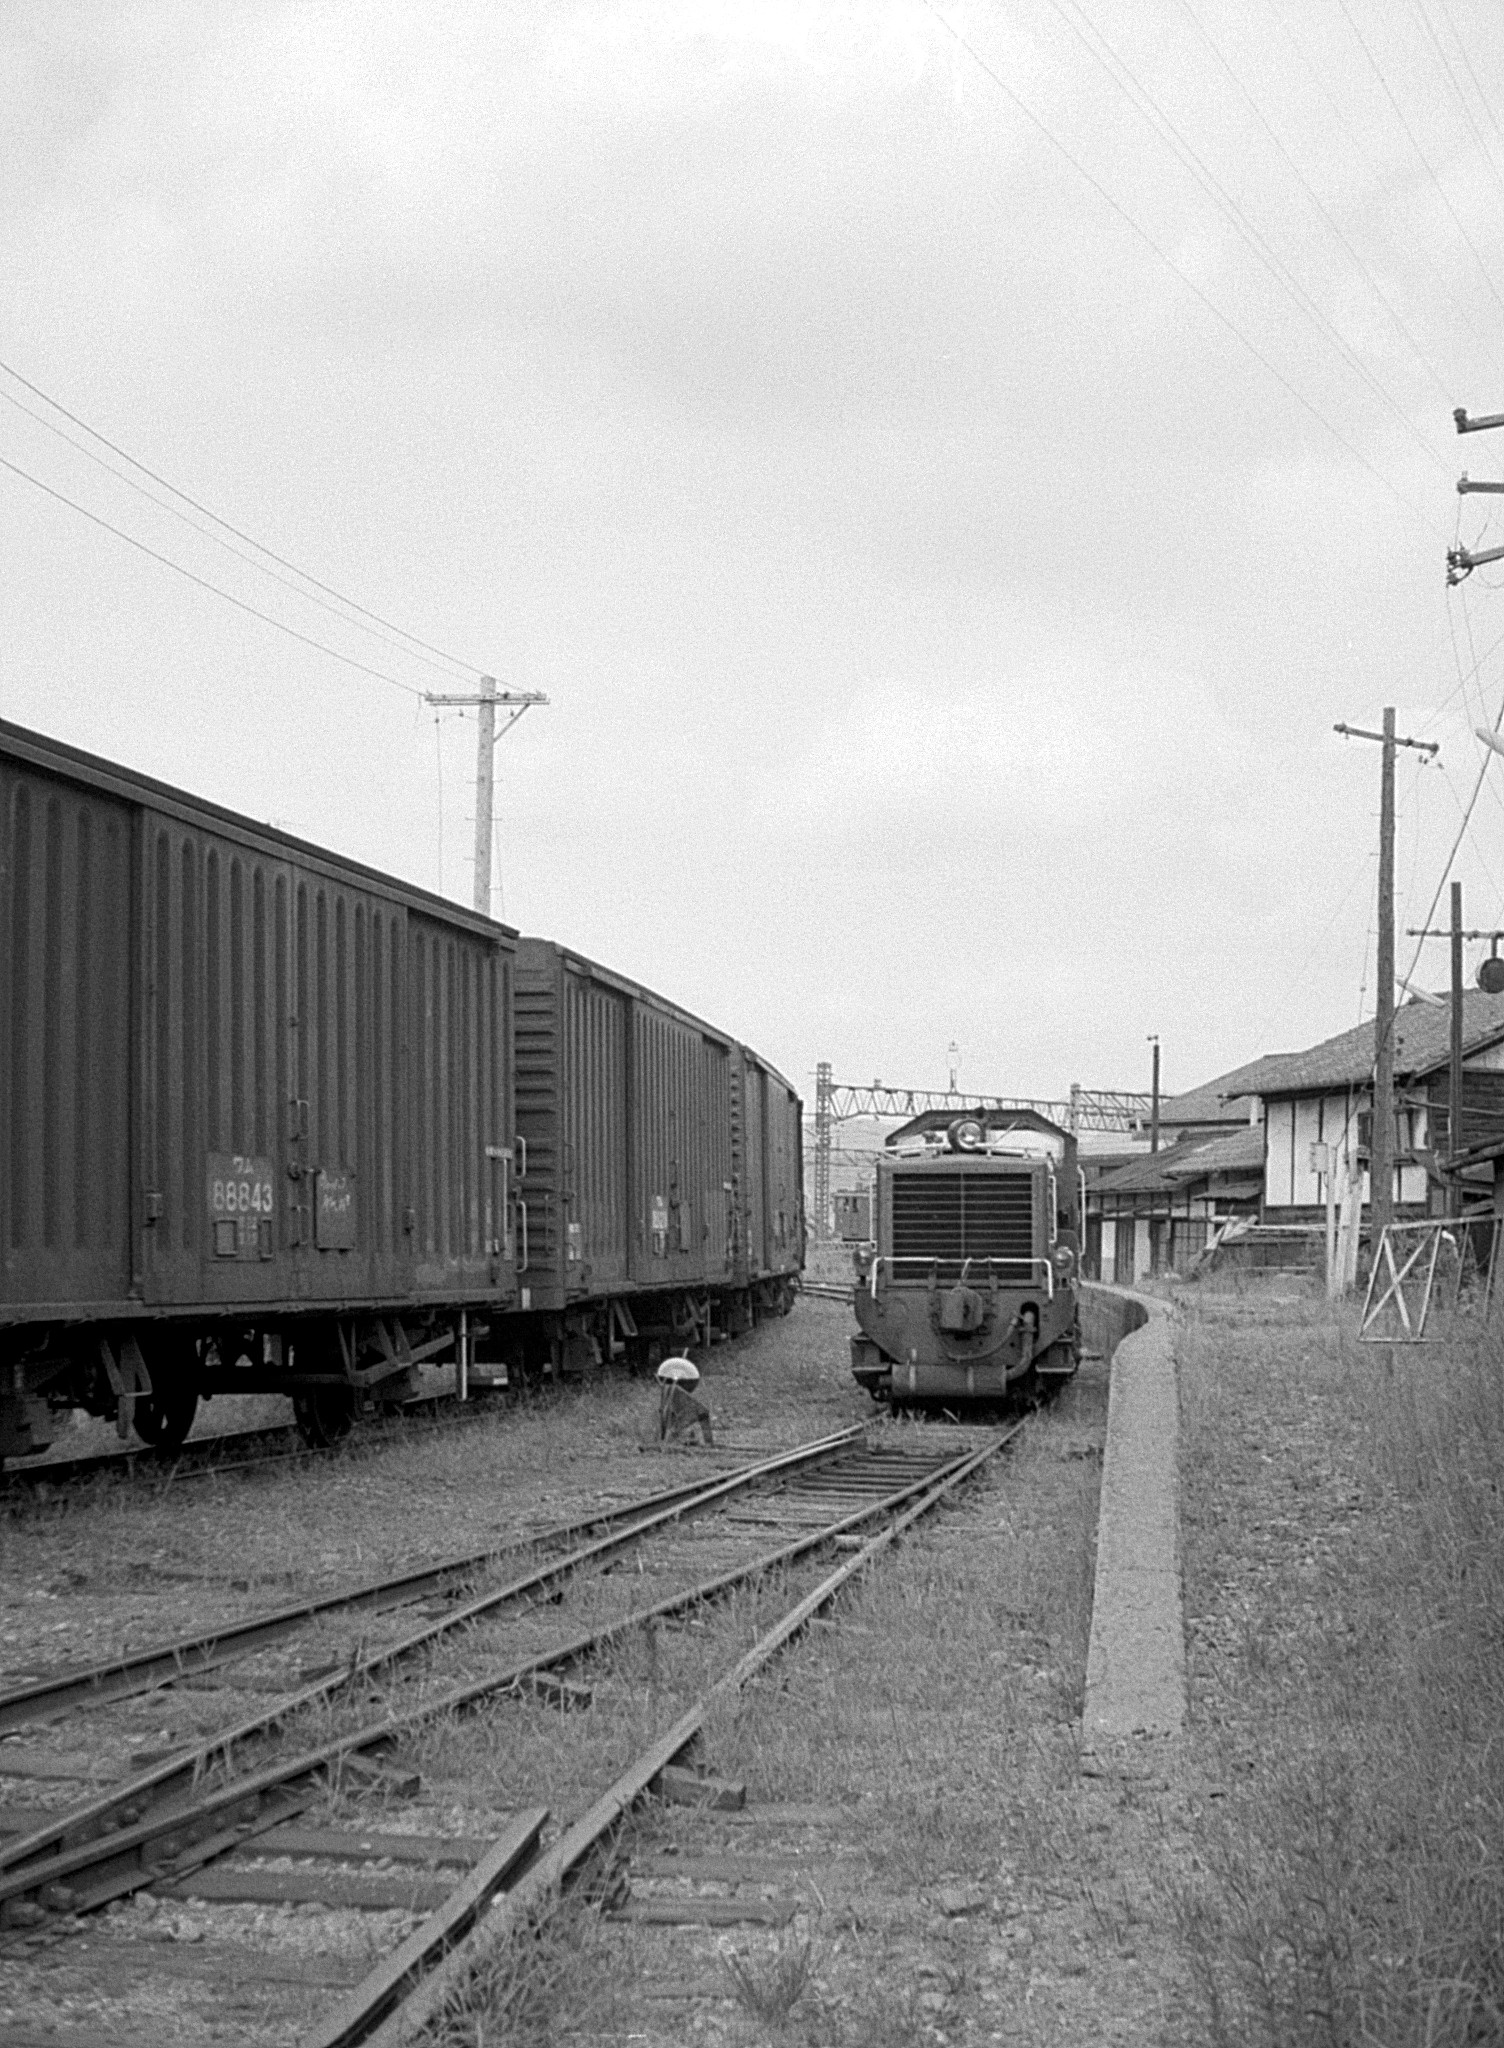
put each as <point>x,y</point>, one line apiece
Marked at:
<point>1158,1211</point>
<point>1324,1096</point>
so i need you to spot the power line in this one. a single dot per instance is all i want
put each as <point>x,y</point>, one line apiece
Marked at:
<point>329,591</point>
<point>1416,249</point>
<point>203,583</point>
<point>1164,127</point>
<point>1461,832</point>
<point>1467,113</point>
<point>240,554</point>
<point>1467,61</point>
<point>1317,201</point>
<point>1223,319</point>
<point>1420,153</point>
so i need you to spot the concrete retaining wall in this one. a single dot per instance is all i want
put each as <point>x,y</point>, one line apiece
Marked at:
<point>1135,1668</point>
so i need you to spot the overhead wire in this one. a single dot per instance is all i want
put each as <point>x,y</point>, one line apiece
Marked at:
<point>1424,160</point>
<point>1422,359</point>
<point>1466,832</point>
<point>1486,338</point>
<point>1419,8</point>
<point>1492,782</point>
<point>1461,42</point>
<point>465,667</point>
<point>218,540</point>
<point>1138,95</point>
<point>380,675</point>
<point>1136,227</point>
<point>1467,814</point>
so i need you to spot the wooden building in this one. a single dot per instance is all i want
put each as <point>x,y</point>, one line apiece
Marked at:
<point>1156,1213</point>
<point>1324,1097</point>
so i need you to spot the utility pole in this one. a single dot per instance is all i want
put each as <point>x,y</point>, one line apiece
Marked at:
<point>1461,562</point>
<point>1381,1149</point>
<point>1381,1154</point>
<point>485,701</point>
<point>1454,1071</point>
<point>1154,1096</point>
<point>1491,979</point>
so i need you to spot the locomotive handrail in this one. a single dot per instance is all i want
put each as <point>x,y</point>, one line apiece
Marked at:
<point>1034,1267</point>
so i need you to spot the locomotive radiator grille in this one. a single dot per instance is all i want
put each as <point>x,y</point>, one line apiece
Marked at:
<point>963,1216</point>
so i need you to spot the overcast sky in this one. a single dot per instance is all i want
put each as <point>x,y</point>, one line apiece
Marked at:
<point>947,470</point>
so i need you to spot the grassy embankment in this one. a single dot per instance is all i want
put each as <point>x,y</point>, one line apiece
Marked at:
<point>1344,1554</point>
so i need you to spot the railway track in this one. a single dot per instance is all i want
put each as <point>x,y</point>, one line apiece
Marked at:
<point>233,1451</point>
<point>824,1290</point>
<point>235,1818</point>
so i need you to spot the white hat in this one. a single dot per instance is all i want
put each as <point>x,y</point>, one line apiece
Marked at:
<point>682,1370</point>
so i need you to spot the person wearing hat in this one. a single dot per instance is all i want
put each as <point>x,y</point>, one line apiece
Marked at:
<point>678,1410</point>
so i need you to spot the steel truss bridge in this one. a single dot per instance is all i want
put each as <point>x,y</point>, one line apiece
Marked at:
<point>1085,1109</point>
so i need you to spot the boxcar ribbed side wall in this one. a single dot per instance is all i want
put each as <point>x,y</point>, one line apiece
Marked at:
<point>785,1176</point>
<point>67,861</point>
<point>681,1169</point>
<point>235,1071</point>
<point>595,1135</point>
<point>461,1110</point>
<point>753,1175</point>
<point>537,1027</point>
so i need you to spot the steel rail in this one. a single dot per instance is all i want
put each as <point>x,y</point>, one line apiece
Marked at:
<point>54,1853</point>
<point>125,1800</point>
<point>163,1663</point>
<point>434,1963</point>
<point>199,1457</point>
<point>199,1452</point>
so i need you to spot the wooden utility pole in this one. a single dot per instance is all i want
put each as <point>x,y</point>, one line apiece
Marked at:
<point>485,701</point>
<point>1381,1151</point>
<point>1454,1073</point>
<point>1489,979</point>
<point>1381,1148</point>
<point>1154,1096</point>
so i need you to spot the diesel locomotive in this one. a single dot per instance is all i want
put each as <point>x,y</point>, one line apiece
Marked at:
<point>970,1287</point>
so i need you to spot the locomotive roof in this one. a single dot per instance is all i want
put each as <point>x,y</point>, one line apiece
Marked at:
<point>1001,1120</point>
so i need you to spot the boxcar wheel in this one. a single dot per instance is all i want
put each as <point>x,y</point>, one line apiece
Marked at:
<point>323,1414</point>
<point>166,1416</point>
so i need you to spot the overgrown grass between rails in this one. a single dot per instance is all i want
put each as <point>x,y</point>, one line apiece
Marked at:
<point>1345,1574</point>
<point>933,1705</point>
<point>554,1981</point>
<point>944,1698</point>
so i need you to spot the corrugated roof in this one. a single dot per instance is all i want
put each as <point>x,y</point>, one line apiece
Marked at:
<point>1422,1043</point>
<point>1196,1159</point>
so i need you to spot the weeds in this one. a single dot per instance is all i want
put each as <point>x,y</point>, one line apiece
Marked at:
<point>769,1988</point>
<point>1352,1894</point>
<point>534,1989</point>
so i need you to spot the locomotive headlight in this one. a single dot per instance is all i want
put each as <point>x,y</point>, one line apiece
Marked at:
<point>1063,1259</point>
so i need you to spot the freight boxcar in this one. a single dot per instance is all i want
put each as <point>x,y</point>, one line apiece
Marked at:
<point>256,1110</point>
<point>768,1169</point>
<point>659,1170</point>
